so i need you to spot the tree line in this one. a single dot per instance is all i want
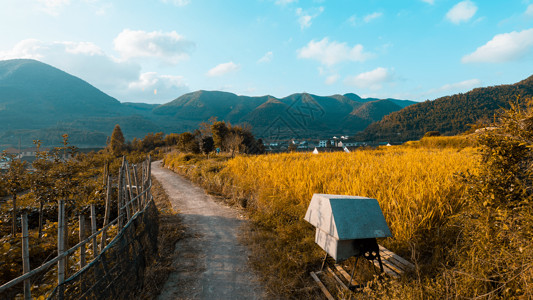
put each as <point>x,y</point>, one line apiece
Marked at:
<point>211,136</point>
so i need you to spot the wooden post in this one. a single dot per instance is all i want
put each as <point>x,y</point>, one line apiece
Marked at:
<point>149,177</point>
<point>119,200</point>
<point>130,193</point>
<point>61,249</point>
<point>26,256</point>
<point>125,194</point>
<point>83,260</point>
<point>143,181</point>
<point>65,238</point>
<point>137,189</point>
<point>93,230</point>
<point>107,213</point>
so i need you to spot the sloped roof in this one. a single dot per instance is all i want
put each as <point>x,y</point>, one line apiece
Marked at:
<point>347,217</point>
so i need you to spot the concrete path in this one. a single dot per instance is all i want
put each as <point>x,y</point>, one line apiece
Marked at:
<point>211,263</point>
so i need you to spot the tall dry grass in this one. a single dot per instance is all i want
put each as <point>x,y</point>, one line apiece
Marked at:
<point>416,187</point>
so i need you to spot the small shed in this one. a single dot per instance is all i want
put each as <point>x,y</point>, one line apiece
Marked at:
<point>345,225</point>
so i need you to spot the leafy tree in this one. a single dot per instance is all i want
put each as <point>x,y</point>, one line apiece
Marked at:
<point>259,147</point>
<point>219,131</point>
<point>207,145</point>
<point>117,141</point>
<point>14,181</point>
<point>172,139</point>
<point>187,143</point>
<point>495,241</point>
<point>234,143</point>
<point>205,127</point>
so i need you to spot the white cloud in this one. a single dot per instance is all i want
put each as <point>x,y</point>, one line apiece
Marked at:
<point>223,69</point>
<point>305,17</point>
<point>82,48</point>
<point>462,12</point>
<point>53,7</point>
<point>266,58</point>
<point>120,79</point>
<point>285,2</point>
<point>372,16</point>
<point>168,46</point>
<point>352,20</point>
<point>429,1</point>
<point>332,79</point>
<point>177,2</point>
<point>457,87</point>
<point>370,80</point>
<point>529,10</point>
<point>331,53</point>
<point>152,87</point>
<point>503,48</point>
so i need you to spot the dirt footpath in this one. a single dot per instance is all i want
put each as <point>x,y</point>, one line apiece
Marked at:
<point>211,263</point>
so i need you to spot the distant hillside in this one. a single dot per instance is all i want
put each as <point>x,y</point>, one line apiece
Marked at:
<point>449,115</point>
<point>38,101</point>
<point>297,115</point>
<point>46,95</point>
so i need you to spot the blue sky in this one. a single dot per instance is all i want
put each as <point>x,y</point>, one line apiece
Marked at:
<point>154,51</point>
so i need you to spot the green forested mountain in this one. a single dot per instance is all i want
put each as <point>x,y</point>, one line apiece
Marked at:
<point>297,115</point>
<point>38,101</point>
<point>449,115</point>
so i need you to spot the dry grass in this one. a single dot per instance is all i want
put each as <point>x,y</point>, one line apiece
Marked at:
<point>171,231</point>
<point>415,186</point>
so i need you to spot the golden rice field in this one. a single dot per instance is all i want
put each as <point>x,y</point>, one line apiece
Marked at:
<point>418,189</point>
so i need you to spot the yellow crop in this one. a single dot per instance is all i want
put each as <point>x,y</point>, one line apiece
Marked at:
<point>416,188</point>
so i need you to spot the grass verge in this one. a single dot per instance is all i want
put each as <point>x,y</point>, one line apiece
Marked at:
<point>171,231</point>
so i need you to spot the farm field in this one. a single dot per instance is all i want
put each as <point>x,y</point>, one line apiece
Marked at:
<point>418,186</point>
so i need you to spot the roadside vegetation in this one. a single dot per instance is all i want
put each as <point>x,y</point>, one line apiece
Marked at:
<point>459,207</point>
<point>35,188</point>
<point>171,231</point>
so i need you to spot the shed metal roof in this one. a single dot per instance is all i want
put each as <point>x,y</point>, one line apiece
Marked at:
<point>347,217</point>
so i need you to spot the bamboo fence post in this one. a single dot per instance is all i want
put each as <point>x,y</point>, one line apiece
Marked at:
<point>119,200</point>
<point>93,230</point>
<point>107,213</point>
<point>61,249</point>
<point>149,177</point>
<point>136,180</point>
<point>129,185</point>
<point>143,181</point>
<point>146,178</point>
<point>83,260</point>
<point>125,193</point>
<point>26,256</point>
<point>65,237</point>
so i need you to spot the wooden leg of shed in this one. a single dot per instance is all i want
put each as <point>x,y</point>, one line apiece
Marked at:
<point>353,271</point>
<point>380,263</point>
<point>324,262</point>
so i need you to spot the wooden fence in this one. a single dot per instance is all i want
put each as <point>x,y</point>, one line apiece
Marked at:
<point>134,184</point>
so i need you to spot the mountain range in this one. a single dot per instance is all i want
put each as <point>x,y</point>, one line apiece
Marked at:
<point>38,101</point>
<point>448,115</point>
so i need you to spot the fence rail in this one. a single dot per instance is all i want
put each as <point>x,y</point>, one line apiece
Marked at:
<point>133,200</point>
